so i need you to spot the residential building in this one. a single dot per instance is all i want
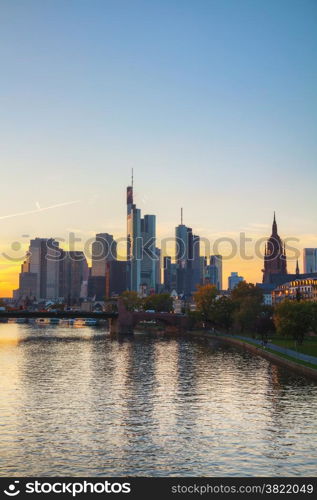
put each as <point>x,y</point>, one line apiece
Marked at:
<point>298,289</point>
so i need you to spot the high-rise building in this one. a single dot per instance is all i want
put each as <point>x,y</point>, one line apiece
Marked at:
<point>169,274</point>
<point>234,280</point>
<point>202,269</point>
<point>73,272</point>
<point>196,263</point>
<point>104,250</point>
<point>149,255</point>
<point>275,257</point>
<point>116,277</point>
<point>183,266</point>
<point>158,279</point>
<point>215,271</point>
<point>40,272</point>
<point>141,234</point>
<point>167,262</point>
<point>187,260</point>
<point>134,247</point>
<point>310,260</point>
<point>27,285</point>
<point>96,289</point>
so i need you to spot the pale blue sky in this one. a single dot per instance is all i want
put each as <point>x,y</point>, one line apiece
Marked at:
<point>213,102</point>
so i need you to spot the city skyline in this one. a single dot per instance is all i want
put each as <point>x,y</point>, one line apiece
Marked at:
<point>143,274</point>
<point>250,265</point>
<point>214,107</point>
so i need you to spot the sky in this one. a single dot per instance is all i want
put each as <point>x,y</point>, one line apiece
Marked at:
<point>211,102</point>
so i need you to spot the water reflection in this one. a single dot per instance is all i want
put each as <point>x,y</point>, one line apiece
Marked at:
<point>75,402</point>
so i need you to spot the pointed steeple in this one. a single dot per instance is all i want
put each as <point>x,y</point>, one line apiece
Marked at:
<point>274,226</point>
<point>297,267</point>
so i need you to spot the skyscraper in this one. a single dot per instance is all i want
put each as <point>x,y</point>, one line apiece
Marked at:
<point>275,256</point>
<point>202,269</point>
<point>187,259</point>
<point>141,234</point>
<point>233,280</point>
<point>134,248</point>
<point>196,263</point>
<point>158,279</point>
<point>149,256</point>
<point>73,271</point>
<point>40,271</point>
<point>215,271</point>
<point>310,260</point>
<point>104,250</point>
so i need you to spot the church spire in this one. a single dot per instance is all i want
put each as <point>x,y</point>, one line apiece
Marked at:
<point>275,263</point>
<point>274,226</point>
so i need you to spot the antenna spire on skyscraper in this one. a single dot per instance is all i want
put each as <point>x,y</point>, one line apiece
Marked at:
<point>132,178</point>
<point>182,216</point>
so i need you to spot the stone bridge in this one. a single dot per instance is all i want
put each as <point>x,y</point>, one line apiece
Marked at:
<point>121,321</point>
<point>126,321</point>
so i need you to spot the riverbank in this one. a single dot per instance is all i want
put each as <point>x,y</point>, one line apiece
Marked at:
<point>298,366</point>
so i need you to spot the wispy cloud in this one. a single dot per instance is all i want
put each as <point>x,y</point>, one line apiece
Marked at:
<point>39,209</point>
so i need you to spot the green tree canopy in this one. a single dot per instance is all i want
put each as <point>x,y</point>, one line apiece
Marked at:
<point>248,303</point>
<point>159,302</point>
<point>294,319</point>
<point>131,300</point>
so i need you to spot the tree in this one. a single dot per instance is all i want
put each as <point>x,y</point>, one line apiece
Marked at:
<point>294,319</point>
<point>205,299</point>
<point>314,316</point>
<point>248,302</point>
<point>131,300</point>
<point>264,323</point>
<point>159,302</point>
<point>223,312</point>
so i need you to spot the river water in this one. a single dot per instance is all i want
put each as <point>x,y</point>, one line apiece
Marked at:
<point>74,402</point>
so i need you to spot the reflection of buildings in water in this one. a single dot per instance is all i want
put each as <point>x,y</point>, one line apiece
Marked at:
<point>54,397</point>
<point>10,402</point>
<point>165,390</point>
<point>284,419</point>
<point>125,385</point>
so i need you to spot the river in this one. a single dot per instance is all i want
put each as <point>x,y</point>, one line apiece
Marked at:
<point>75,402</point>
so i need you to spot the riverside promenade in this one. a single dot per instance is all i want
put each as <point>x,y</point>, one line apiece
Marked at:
<point>288,357</point>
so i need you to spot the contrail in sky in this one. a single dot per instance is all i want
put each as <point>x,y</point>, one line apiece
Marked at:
<point>39,209</point>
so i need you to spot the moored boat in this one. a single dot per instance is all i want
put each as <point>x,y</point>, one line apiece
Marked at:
<point>42,321</point>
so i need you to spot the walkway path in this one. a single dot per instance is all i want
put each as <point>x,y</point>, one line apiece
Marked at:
<point>277,348</point>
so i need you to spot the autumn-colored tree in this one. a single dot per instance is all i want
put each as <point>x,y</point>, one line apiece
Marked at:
<point>205,299</point>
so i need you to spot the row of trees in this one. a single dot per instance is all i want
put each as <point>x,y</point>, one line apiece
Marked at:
<point>159,302</point>
<point>244,312</point>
